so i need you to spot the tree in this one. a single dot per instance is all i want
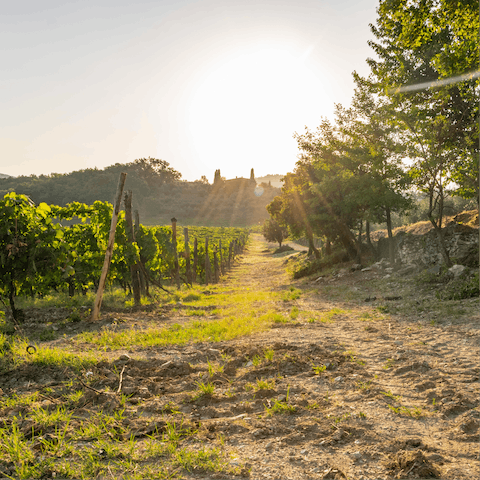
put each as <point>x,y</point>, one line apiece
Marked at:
<point>419,43</point>
<point>274,232</point>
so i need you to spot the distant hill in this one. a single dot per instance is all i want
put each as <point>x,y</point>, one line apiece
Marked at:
<point>158,193</point>
<point>275,180</point>
<point>2,175</point>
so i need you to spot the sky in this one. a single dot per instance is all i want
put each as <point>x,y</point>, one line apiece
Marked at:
<point>201,84</point>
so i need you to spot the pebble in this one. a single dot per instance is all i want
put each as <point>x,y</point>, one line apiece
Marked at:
<point>338,379</point>
<point>124,357</point>
<point>249,363</point>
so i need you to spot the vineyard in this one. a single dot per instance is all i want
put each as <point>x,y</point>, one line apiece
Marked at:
<point>47,248</point>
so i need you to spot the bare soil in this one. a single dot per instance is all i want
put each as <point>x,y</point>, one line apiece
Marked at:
<point>398,398</point>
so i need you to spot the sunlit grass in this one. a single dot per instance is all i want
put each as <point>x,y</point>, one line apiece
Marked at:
<point>194,331</point>
<point>14,353</point>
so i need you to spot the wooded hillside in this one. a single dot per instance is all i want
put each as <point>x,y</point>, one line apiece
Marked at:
<point>158,193</point>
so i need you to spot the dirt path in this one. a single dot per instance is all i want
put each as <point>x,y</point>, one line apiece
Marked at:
<point>403,396</point>
<point>343,389</point>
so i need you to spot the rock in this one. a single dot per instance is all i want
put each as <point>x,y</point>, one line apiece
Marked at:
<point>249,363</point>
<point>435,270</point>
<point>457,270</point>
<point>338,379</point>
<point>407,269</point>
<point>355,267</point>
<point>357,455</point>
<point>367,269</point>
<point>124,358</point>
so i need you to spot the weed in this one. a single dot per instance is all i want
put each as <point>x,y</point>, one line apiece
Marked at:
<point>292,294</point>
<point>212,369</point>
<point>256,360</point>
<point>294,313</point>
<point>402,410</point>
<point>337,420</point>
<point>389,364</point>
<point>280,407</point>
<point>389,394</point>
<point>362,415</point>
<point>204,389</point>
<point>318,369</point>
<point>364,386</point>
<point>268,354</point>
<point>265,384</point>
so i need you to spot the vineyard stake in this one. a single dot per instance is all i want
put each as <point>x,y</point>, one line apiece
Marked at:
<point>175,253</point>
<point>134,269</point>
<point>188,270</point>
<point>195,260</point>
<point>208,270</point>
<point>111,242</point>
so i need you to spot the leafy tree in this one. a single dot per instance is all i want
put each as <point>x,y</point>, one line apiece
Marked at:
<point>274,232</point>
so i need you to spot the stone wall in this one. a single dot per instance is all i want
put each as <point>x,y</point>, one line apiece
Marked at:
<point>423,250</point>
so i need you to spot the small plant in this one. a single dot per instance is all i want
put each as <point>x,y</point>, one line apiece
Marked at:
<point>337,420</point>
<point>364,386</point>
<point>256,360</point>
<point>269,354</point>
<point>389,394</point>
<point>312,320</point>
<point>294,313</point>
<point>212,369</point>
<point>402,410</point>
<point>389,364</point>
<point>362,415</point>
<point>265,384</point>
<point>204,389</point>
<point>318,369</point>
<point>280,407</point>
<point>292,294</point>
<point>74,316</point>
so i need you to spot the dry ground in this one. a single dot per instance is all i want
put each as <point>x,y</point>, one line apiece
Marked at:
<point>379,389</point>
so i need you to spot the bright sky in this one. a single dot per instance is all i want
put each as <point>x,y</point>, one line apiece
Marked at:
<point>202,84</point>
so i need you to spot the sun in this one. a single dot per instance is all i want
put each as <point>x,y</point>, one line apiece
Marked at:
<point>247,99</point>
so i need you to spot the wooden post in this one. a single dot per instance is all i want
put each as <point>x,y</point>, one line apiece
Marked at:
<point>222,263</point>
<point>208,269</point>
<point>176,272</point>
<point>188,270</point>
<point>144,287</point>
<point>134,268</point>
<point>230,253</point>
<point>195,260</point>
<point>216,273</point>
<point>108,254</point>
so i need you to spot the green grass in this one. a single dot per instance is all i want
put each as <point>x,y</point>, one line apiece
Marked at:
<point>13,352</point>
<point>161,455</point>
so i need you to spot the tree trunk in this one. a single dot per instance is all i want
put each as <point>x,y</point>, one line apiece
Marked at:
<point>359,243</point>
<point>11,300</point>
<point>391,247</point>
<point>328,247</point>
<point>312,250</point>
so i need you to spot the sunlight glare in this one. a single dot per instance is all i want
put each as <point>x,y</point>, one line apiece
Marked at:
<point>243,103</point>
